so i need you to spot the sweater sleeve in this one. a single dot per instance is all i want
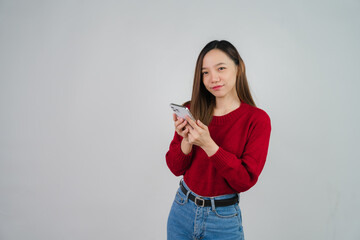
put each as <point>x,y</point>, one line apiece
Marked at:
<point>176,160</point>
<point>242,173</point>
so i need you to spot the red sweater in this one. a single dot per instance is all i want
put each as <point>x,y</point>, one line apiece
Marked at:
<point>243,137</point>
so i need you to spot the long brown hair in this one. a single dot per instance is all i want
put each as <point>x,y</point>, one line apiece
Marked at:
<point>202,102</point>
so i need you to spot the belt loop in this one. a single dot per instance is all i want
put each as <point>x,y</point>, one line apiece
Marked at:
<point>187,196</point>
<point>187,193</point>
<point>212,204</point>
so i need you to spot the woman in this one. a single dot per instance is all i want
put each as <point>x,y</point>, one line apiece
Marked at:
<point>221,154</point>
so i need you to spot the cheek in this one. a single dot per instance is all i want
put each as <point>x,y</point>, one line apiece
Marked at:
<point>205,82</point>
<point>231,77</point>
<point>207,87</point>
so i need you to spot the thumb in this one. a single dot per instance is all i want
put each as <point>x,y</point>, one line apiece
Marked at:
<point>201,124</point>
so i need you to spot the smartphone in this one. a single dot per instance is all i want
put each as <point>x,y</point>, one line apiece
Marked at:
<point>181,111</point>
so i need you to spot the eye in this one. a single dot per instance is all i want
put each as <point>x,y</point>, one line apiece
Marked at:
<point>203,73</point>
<point>221,68</point>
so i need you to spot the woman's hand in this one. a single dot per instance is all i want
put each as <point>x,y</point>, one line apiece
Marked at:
<point>180,126</point>
<point>198,134</point>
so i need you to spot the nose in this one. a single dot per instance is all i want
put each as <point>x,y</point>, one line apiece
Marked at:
<point>215,77</point>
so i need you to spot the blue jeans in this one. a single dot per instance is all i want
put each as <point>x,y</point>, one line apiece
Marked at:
<point>189,221</point>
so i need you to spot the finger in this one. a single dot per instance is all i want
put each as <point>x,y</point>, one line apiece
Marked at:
<point>189,138</point>
<point>191,122</point>
<point>182,125</point>
<point>200,124</point>
<point>178,122</point>
<point>194,133</point>
<point>184,133</point>
<point>177,118</point>
<point>189,128</point>
<point>180,128</point>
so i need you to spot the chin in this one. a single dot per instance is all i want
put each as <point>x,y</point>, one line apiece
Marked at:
<point>218,95</point>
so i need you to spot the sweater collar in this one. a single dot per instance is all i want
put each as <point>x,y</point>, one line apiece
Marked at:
<point>229,117</point>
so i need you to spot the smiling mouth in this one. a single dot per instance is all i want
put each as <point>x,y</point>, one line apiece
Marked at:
<point>217,87</point>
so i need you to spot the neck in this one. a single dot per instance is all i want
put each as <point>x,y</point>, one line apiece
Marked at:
<point>227,104</point>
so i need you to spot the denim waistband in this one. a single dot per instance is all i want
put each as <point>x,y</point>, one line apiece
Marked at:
<point>226,196</point>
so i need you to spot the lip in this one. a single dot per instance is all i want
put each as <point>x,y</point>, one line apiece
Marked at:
<point>217,87</point>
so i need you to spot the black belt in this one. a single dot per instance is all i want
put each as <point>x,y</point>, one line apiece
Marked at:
<point>207,203</point>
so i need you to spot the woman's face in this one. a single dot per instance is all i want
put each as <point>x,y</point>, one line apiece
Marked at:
<point>219,73</point>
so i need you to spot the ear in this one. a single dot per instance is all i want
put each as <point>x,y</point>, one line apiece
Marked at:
<point>237,70</point>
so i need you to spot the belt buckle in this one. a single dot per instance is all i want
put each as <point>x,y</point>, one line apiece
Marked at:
<point>200,199</point>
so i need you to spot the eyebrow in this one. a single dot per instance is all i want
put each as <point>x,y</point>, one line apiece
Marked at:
<point>215,65</point>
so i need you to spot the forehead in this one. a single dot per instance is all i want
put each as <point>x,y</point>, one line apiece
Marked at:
<point>214,57</point>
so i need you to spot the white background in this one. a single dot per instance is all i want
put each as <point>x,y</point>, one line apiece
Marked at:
<point>85,122</point>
